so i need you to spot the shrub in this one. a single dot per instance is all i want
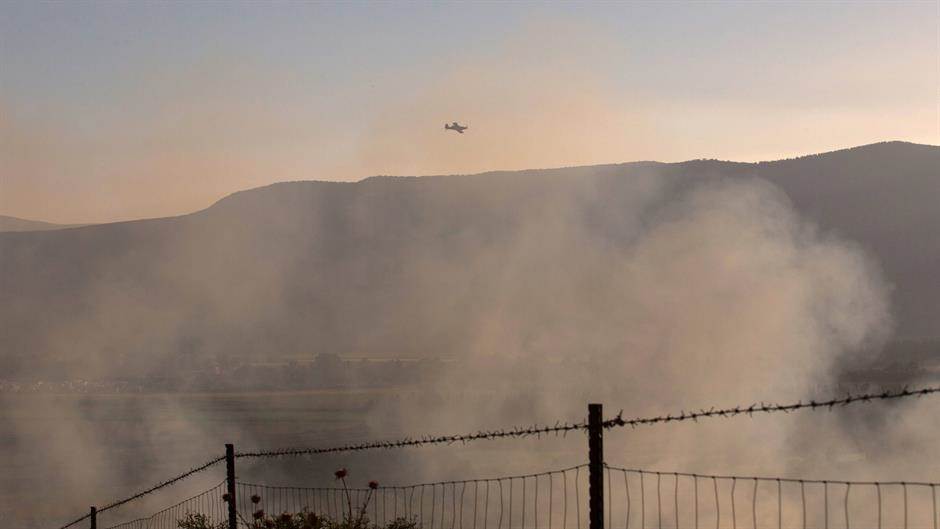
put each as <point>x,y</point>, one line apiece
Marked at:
<point>199,521</point>
<point>352,518</point>
<point>309,520</point>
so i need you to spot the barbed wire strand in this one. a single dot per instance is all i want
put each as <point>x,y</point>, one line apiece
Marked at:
<point>201,507</point>
<point>530,431</point>
<point>158,486</point>
<point>619,421</point>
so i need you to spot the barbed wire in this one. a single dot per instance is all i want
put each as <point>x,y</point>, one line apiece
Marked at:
<point>530,431</point>
<point>158,486</point>
<point>618,421</point>
<point>75,521</point>
<point>762,407</point>
<point>163,484</point>
<point>216,489</point>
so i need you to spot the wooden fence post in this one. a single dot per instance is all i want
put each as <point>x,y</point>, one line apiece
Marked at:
<point>230,481</point>
<point>596,465</point>
<point>94,518</point>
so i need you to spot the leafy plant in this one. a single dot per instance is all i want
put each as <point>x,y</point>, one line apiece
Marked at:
<point>199,521</point>
<point>353,518</point>
<point>402,523</point>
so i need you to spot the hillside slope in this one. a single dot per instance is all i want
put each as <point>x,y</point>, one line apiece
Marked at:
<point>17,224</point>
<point>370,267</point>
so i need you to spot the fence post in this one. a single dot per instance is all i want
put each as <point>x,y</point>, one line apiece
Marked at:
<point>94,518</point>
<point>596,465</point>
<point>230,481</point>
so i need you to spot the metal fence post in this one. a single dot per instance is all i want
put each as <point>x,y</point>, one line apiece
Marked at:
<point>94,518</point>
<point>596,465</point>
<point>230,481</point>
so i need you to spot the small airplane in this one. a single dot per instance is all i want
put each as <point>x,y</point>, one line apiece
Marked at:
<point>455,126</point>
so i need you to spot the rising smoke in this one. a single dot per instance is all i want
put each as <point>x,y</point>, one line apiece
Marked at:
<point>681,295</point>
<point>640,289</point>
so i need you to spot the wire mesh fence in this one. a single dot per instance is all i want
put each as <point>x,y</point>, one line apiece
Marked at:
<point>671,500</point>
<point>640,499</point>
<point>553,499</point>
<point>207,506</point>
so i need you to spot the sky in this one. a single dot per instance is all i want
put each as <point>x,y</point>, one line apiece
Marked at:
<point>123,110</point>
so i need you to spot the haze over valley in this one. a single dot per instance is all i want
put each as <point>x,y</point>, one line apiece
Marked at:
<point>271,265</point>
<point>489,286</point>
<point>297,269</point>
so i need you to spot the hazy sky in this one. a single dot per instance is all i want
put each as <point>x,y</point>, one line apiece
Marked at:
<point>118,110</point>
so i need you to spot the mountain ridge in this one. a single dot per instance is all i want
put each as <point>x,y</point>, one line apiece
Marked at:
<point>358,266</point>
<point>653,163</point>
<point>9,223</point>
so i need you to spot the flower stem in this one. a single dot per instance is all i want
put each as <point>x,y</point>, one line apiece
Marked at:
<point>348,500</point>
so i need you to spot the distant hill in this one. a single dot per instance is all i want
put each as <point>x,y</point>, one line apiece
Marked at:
<point>17,224</point>
<point>370,267</point>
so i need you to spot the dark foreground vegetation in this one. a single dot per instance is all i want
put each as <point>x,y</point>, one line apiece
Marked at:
<point>354,517</point>
<point>300,520</point>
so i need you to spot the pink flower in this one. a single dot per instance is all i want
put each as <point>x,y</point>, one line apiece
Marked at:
<point>340,474</point>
